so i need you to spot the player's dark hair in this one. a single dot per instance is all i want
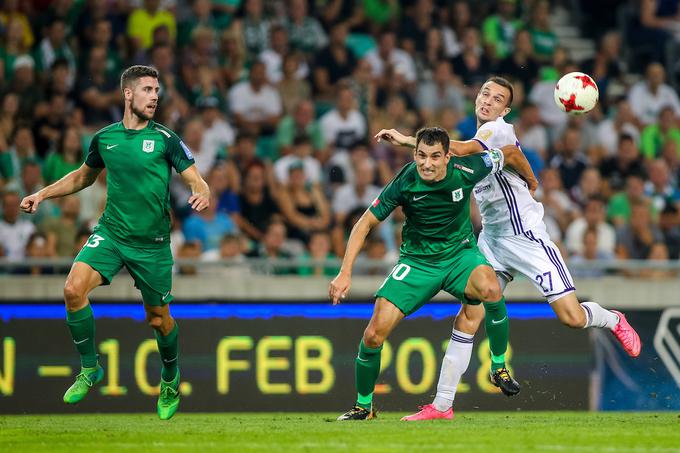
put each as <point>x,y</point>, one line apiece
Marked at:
<point>136,72</point>
<point>505,83</point>
<point>433,135</point>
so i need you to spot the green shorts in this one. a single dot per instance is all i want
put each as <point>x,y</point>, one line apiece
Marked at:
<point>412,283</point>
<point>150,267</point>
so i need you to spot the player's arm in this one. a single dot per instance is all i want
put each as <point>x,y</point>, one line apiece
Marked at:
<point>515,159</point>
<point>340,284</point>
<point>73,182</point>
<point>457,148</point>
<point>200,192</point>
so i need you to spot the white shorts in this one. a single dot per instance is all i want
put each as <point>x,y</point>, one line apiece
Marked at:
<point>531,254</point>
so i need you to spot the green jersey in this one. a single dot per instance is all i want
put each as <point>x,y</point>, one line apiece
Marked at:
<point>138,164</point>
<point>437,224</point>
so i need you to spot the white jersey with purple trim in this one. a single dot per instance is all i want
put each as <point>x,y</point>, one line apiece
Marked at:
<point>505,203</point>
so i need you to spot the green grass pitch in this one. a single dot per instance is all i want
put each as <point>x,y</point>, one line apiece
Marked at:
<point>317,432</point>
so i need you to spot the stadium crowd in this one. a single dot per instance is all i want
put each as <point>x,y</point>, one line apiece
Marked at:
<point>279,100</point>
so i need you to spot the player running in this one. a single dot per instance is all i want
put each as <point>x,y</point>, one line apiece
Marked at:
<point>133,231</point>
<point>514,240</point>
<point>438,252</point>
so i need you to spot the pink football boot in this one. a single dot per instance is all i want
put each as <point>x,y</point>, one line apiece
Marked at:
<point>428,412</point>
<point>627,336</point>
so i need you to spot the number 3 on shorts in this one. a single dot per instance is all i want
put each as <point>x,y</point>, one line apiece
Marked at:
<point>94,240</point>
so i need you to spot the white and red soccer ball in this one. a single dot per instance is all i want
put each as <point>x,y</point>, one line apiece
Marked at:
<point>576,93</point>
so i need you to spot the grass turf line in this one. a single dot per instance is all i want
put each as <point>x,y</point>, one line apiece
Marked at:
<point>479,431</point>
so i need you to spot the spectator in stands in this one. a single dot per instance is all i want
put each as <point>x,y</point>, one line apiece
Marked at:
<point>472,65</point>
<point>99,92</point>
<point>66,158</point>
<point>395,115</point>
<point>531,133</point>
<point>272,246</point>
<point>21,150</point>
<point>242,154</point>
<point>232,55</point>
<point>301,155</point>
<point>23,85</point>
<point>521,64</point>
<point>659,188</point>
<point>218,134</point>
<point>220,179</point>
<point>37,247</point>
<point>54,45</point>
<point>273,56</point>
<point>648,96</point>
<point>559,209</point>
<point>14,44</point>
<point>593,219</point>
<point>636,239</point>
<point>256,202</point>
<point>499,29</point>
<point>590,185</point>
<point>305,32</point>
<point>434,52</point>
<point>82,236</point>
<point>60,81</point>
<point>415,24</point>
<point>93,200</point>
<point>255,27</point>
<point>543,38</point>
<point>208,226</point>
<point>61,231</point>
<point>344,125</point>
<point>48,128</point>
<point>656,134</point>
<point>387,54</point>
<point>292,90</point>
<point>569,160</point>
<point>669,224</point>
<point>439,93</point>
<point>200,15</point>
<point>652,29</point>
<point>256,105</point>
<point>303,205</point>
<point>606,66</point>
<point>8,115</point>
<point>333,63</point>
<point>317,252</point>
<point>188,250</point>
<point>14,232</point>
<point>590,250</point>
<point>670,154</point>
<point>616,169</point>
<point>102,36</point>
<point>298,124</point>
<point>143,22</point>
<point>619,209</point>
<point>610,130</point>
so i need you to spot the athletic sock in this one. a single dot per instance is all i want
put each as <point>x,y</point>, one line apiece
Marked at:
<point>596,316</point>
<point>366,373</point>
<point>454,365</point>
<point>81,325</point>
<point>167,347</point>
<point>498,331</point>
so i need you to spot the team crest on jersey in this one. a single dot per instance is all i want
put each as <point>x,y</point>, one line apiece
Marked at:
<point>457,194</point>
<point>148,145</point>
<point>485,135</point>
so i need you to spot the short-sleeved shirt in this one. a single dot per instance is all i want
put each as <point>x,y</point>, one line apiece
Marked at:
<point>138,164</point>
<point>437,214</point>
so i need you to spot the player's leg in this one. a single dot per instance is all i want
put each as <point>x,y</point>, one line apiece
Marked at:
<point>96,264</point>
<point>385,318</point>
<point>151,269</point>
<point>404,291</point>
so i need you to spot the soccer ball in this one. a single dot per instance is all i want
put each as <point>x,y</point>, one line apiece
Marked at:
<point>576,93</point>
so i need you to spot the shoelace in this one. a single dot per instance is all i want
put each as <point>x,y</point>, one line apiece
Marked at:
<point>168,392</point>
<point>82,377</point>
<point>503,374</point>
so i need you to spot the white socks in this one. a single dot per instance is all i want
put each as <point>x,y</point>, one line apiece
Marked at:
<point>455,363</point>
<point>596,316</point>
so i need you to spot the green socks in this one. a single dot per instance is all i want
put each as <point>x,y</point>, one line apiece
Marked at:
<point>498,331</point>
<point>366,373</point>
<point>81,325</point>
<point>167,346</point>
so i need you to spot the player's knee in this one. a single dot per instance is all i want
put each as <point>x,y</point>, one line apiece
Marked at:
<point>372,338</point>
<point>576,319</point>
<point>491,292</point>
<point>74,294</point>
<point>154,321</point>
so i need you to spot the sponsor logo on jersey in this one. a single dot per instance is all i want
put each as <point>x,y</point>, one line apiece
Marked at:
<point>464,168</point>
<point>457,194</point>
<point>187,151</point>
<point>480,189</point>
<point>111,146</point>
<point>419,198</point>
<point>485,135</point>
<point>148,146</point>
<point>375,203</point>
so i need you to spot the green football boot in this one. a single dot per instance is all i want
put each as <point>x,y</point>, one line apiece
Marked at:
<point>87,378</point>
<point>168,399</point>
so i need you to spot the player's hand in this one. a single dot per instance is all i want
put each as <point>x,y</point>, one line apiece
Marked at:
<point>392,136</point>
<point>199,201</point>
<point>532,185</point>
<point>339,287</point>
<point>30,203</point>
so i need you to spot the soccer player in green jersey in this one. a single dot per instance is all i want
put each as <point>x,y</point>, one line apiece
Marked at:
<point>438,251</point>
<point>133,231</point>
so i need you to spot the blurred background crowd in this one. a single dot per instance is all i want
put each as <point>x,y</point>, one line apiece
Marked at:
<point>279,101</point>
